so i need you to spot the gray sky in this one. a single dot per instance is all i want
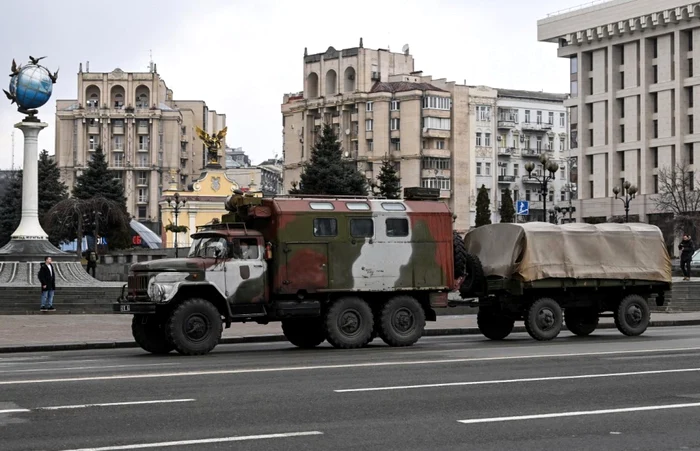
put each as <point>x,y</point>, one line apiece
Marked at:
<point>242,56</point>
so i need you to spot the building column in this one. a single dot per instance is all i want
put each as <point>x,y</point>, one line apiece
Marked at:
<point>192,225</point>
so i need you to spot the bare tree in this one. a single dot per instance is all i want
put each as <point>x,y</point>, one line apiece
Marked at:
<point>678,195</point>
<point>69,218</point>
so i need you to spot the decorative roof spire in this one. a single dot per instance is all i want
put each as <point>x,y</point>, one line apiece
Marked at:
<point>361,44</point>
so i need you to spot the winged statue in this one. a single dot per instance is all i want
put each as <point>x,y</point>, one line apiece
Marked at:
<point>213,143</point>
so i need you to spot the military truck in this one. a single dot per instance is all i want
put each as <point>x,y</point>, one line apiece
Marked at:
<point>341,269</point>
<point>546,274</point>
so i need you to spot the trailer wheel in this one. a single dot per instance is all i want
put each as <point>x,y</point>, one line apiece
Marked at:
<point>460,255</point>
<point>632,315</point>
<point>474,281</point>
<point>581,322</point>
<point>149,333</point>
<point>543,319</point>
<point>494,325</point>
<point>195,327</point>
<point>402,321</point>
<point>349,323</point>
<point>304,332</point>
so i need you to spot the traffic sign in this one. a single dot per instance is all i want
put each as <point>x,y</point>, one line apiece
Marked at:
<point>522,207</point>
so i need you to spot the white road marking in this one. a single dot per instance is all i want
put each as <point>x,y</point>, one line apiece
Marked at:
<point>202,441</point>
<point>13,410</point>
<point>513,381</point>
<point>68,368</point>
<point>575,414</point>
<point>338,366</point>
<point>111,404</point>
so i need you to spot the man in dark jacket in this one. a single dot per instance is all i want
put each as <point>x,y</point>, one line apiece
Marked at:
<point>47,278</point>
<point>687,249</point>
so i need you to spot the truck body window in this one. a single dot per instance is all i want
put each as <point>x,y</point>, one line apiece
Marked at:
<point>321,206</point>
<point>362,228</point>
<point>393,206</point>
<point>357,206</point>
<point>396,227</point>
<point>325,227</point>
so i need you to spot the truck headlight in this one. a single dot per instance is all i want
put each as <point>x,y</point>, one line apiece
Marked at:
<point>163,287</point>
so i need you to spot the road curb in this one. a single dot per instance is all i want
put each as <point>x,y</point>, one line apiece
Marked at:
<point>276,338</point>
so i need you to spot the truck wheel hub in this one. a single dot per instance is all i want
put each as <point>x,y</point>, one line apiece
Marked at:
<point>545,318</point>
<point>403,320</point>
<point>349,322</point>
<point>196,327</point>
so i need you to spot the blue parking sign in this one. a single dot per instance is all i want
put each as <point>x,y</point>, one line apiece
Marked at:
<point>522,207</point>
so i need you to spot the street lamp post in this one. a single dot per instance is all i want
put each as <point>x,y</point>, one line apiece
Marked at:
<point>550,172</point>
<point>176,204</point>
<point>630,192</point>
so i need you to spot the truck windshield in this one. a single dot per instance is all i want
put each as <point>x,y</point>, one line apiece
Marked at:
<point>207,247</point>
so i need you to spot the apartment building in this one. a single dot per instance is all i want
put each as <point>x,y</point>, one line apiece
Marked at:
<point>147,137</point>
<point>529,124</point>
<point>634,77</point>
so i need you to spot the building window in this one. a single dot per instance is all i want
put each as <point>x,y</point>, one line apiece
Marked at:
<point>573,89</point>
<point>656,184</point>
<point>142,161</point>
<point>437,103</point>
<point>118,142</point>
<point>436,123</point>
<point>574,64</point>
<point>487,168</point>
<point>551,118</point>
<point>144,141</point>
<point>539,143</point>
<point>436,182</point>
<point>562,172</point>
<point>435,163</point>
<point>395,144</point>
<point>93,142</point>
<point>483,113</point>
<point>516,169</point>
<point>539,117</point>
<point>622,133</point>
<point>142,178</point>
<point>562,144</point>
<point>142,195</point>
<point>487,139</point>
<point>478,138</point>
<point>527,116</point>
<point>440,144</point>
<point>370,145</point>
<point>478,168</point>
<point>562,119</point>
<point>395,105</point>
<point>118,160</point>
<point>369,125</point>
<point>369,106</point>
<point>528,195</point>
<point>395,123</point>
<point>143,212</point>
<point>691,125</point>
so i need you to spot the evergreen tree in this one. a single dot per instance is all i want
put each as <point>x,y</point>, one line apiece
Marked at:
<point>99,181</point>
<point>390,183</point>
<point>51,191</point>
<point>483,211</point>
<point>11,207</point>
<point>507,209</point>
<point>327,173</point>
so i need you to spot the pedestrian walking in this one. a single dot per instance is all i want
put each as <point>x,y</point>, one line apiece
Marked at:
<point>92,262</point>
<point>47,279</point>
<point>687,249</point>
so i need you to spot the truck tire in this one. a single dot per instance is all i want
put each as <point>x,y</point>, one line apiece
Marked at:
<point>543,319</point>
<point>581,322</point>
<point>349,323</point>
<point>304,333</point>
<point>195,327</point>
<point>402,321</point>
<point>474,280</point>
<point>494,325</point>
<point>632,315</point>
<point>149,333</point>
<point>460,255</point>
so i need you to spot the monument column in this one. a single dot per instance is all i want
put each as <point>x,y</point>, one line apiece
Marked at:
<point>29,227</point>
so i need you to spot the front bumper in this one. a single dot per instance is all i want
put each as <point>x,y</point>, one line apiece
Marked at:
<point>130,304</point>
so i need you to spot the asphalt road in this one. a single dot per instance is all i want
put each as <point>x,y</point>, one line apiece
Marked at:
<point>453,393</point>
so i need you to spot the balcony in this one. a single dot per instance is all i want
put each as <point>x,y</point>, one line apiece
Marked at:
<point>184,139</point>
<point>376,76</point>
<point>507,122</point>
<point>534,153</point>
<point>506,178</point>
<point>536,126</point>
<point>142,148</point>
<point>529,180</point>
<point>436,133</point>
<point>438,153</point>
<point>354,117</point>
<point>506,151</point>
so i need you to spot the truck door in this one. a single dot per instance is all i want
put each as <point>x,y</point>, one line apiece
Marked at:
<point>246,275</point>
<point>306,267</point>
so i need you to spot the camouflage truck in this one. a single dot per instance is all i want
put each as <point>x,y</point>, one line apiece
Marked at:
<point>344,270</point>
<point>546,274</point>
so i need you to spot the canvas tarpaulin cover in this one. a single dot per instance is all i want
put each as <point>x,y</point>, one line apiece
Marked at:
<point>539,250</point>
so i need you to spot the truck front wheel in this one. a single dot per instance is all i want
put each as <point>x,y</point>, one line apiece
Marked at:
<point>402,321</point>
<point>581,322</point>
<point>195,327</point>
<point>543,319</point>
<point>149,333</point>
<point>494,325</point>
<point>632,315</point>
<point>349,323</point>
<point>304,332</point>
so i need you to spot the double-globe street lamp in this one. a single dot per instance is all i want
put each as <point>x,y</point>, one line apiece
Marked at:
<point>629,192</point>
<point>176,204</point>
<point>550,171</point>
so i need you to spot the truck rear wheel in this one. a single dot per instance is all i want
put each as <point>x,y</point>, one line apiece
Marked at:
<point>460,255</point>
<point>149,333</point>
<point>581,322</point>
<point>633,315</point>
<point>494,325</point>
<point>402,321</point>
<point>349,323</point>
<point>304,332</point>
<point>195,327</point>
<point>543,319</point>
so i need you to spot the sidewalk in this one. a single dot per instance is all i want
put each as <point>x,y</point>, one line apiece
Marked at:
<point>51,332</point>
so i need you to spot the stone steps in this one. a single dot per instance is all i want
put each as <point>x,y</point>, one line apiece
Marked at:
<point>27,300</point>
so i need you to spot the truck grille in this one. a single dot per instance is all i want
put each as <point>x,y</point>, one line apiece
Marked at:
<point>138,285</point>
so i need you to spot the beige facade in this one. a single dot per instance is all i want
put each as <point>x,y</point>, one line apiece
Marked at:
<point>147,137</point>
<point>635,84</point>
